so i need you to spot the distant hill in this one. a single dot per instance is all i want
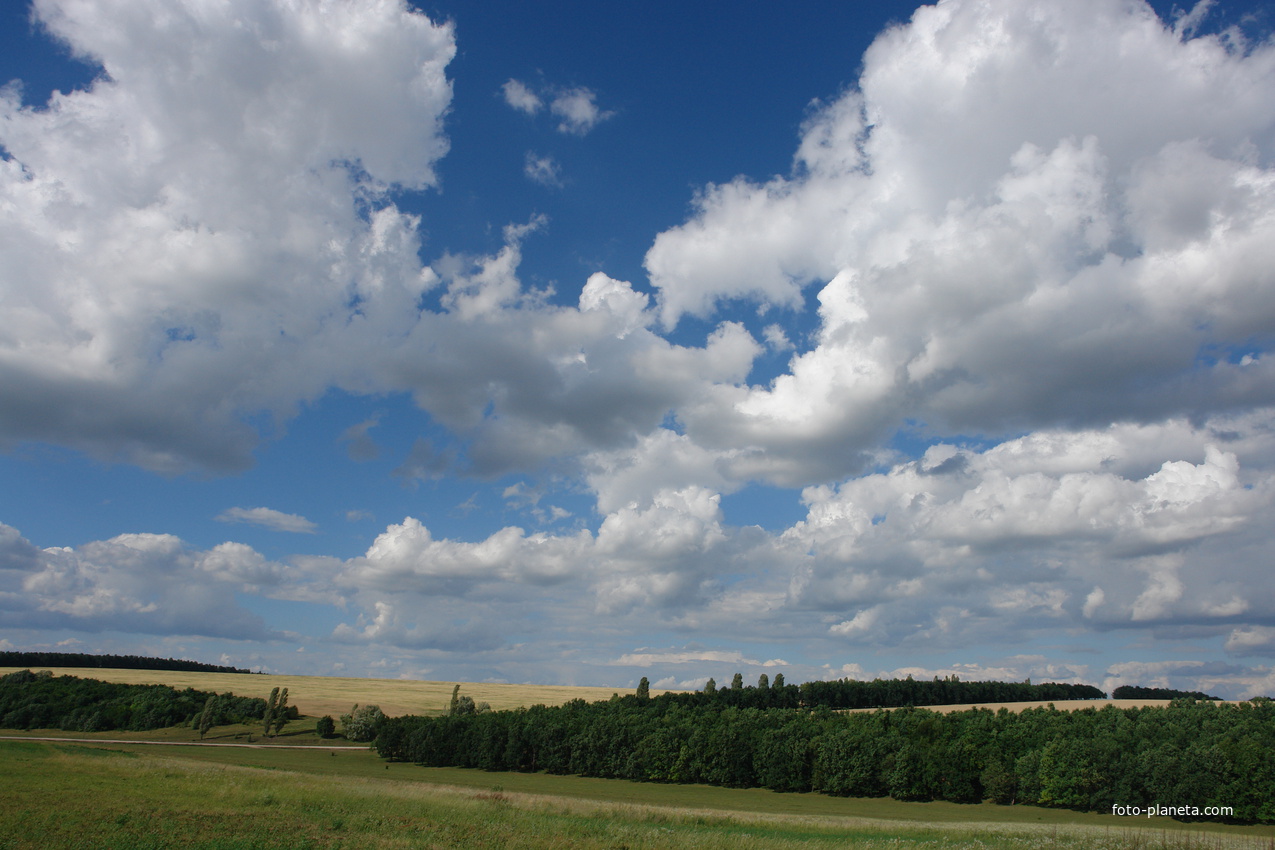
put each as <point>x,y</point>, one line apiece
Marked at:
<point>119,662</point>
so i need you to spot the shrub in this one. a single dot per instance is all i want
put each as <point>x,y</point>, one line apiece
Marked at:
<point>362,724</point>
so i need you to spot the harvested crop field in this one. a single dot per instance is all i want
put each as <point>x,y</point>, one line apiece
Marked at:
<point>316,696</point>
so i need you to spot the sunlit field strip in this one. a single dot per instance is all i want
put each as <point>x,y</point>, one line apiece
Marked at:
<point>319,695</point>
<point>68,795</point>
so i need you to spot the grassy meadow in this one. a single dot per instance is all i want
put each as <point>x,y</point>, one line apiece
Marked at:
<point>65,795</point>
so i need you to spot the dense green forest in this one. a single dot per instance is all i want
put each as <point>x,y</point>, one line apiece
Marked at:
<point>1135,692</point>
<point>1190,753</point>
<point>44,701</point>
<point>119,662</point>
<point>878,693</point>
<point>890,693</point>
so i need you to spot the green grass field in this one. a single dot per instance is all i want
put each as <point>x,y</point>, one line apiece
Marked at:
<point>68,795</point>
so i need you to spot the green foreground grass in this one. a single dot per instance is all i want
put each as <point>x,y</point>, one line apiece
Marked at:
<point>67,795</point>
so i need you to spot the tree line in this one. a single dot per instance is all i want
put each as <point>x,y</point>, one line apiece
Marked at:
<point>119,662</point>
<point>878,693</point>
<point>44,701</point>
<point>1190,753</point>
<point>1136,692</point>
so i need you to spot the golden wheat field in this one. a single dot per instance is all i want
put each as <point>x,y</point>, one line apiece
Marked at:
<point>319,695</point>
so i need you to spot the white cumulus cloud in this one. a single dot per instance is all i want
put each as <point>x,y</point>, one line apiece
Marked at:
<point>1069,222</point>
<point>184,239</point>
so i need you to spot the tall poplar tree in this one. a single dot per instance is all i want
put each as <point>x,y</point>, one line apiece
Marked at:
<point>267,719</point>
<point>281,712</point>
<point>207,716</point>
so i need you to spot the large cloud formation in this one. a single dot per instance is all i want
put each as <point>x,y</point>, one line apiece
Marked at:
<point>1041,238</point>
<point>1028,214</point>
<point>208,234</point>
<point>182,237</point>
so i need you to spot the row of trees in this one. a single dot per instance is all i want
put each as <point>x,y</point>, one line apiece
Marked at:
<point>277,712</point>
<point>44,701</point>
<point>364,724</point>
<point>879,693</point>
<point>1199,754</point>
<point>224,709</point>
<point>117,662</point>
<point>1135,692</point>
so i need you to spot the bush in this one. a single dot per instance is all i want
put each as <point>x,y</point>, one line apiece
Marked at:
<point>362,724</point>
<point>326,727</point>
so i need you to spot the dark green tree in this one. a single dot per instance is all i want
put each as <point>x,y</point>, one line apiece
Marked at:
<point>326,727</point>
<point>737,682</point>
<point>710,687</point>
<point>267,720</point>
<point>763,682</point>
<point>207,716</point>
<point>644,689</point>
<point>281,712</point>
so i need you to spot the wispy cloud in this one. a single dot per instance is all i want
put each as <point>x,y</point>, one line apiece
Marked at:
<point>646,658</point>
<point>578,110</point>
<point>360,445</point>
<point>268,518</point>
<point>543,170</point>
<point>521,98</point>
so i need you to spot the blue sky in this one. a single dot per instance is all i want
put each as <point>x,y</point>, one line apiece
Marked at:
<point>470,342</point>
